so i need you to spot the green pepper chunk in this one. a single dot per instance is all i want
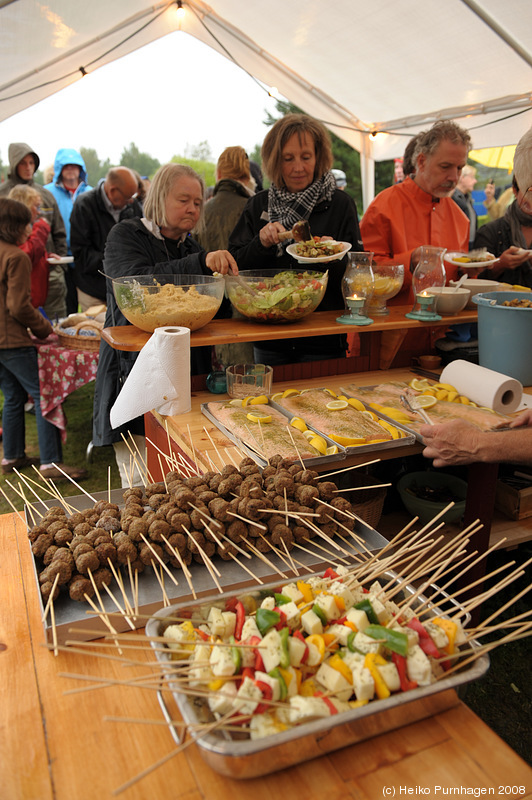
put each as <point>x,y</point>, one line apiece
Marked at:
<point>318,610</point>
<point>275,673</point>
<point>366,606</point>
<point>281,599</point>
<point>285,654</point>
<point>266,619</point>
<point>350,643</point>
<point>393,640</point>
<point>236,655</point>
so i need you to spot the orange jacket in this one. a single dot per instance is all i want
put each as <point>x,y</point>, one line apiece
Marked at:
<point>404,217</point>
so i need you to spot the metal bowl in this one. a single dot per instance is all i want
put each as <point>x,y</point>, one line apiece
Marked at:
<point>153,301</point>
<point>278,296</point>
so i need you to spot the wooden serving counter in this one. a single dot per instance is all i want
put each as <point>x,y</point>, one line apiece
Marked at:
<point>56,743</point>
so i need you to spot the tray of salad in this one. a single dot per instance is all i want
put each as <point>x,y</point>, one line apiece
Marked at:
<point>277,296</point>
<point>300,668</point>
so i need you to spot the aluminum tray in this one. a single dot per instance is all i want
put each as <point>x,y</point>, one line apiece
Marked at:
<point>71,613</point>
<point>361,448</point>
<point>309,462</point>
<point>246,758</point>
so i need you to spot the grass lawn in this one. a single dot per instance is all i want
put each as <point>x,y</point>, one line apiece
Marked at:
<point>78,409</point>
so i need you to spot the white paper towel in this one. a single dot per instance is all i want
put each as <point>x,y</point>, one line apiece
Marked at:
<point>484,386</point>
<point>160,378</point>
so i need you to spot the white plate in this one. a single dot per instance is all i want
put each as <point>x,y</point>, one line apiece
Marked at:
<point>62,260</point>
<point>450,257</point>
<point>291,250</point>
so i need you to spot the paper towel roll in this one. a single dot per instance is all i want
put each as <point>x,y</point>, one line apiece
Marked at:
<point>160,378</point>
<point>484,386</point>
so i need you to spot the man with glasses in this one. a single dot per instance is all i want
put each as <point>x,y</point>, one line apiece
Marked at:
<point>510,237</point>
<point>93,215</point>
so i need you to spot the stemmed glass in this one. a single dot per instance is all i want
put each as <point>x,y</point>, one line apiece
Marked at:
<point>388,281</point>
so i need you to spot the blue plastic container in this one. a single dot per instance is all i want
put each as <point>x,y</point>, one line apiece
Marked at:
<point>505,335</point>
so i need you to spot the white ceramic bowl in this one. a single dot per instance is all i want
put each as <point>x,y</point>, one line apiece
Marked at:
<point>449,300</point>
<point>476,285</point>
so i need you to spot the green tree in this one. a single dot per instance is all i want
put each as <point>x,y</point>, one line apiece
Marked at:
<point>206,169</point>
<point>199,152</point>
<point>95,168</point>
<point>143,163</point>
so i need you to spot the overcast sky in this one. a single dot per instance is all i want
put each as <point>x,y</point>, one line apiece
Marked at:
<point>173,93</point>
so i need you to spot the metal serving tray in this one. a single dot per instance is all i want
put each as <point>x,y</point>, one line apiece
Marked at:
<point>246,758</point>
<point>361,448</point>
<point>309,462</point>
<point>412,432</point>
<point>73,614</point>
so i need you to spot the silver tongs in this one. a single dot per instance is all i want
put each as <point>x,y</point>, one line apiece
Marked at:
<point>423,414</point>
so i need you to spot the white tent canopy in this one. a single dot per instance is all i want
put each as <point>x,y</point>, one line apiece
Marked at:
<point>376,73</point>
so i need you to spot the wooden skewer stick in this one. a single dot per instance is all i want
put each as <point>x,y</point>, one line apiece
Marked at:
<point>256,523</point>
<point>177,555</point>
<point>159,559</point>
<point>118,578</point>
<point>240,564</point>
<point>213,571</point>
<point>347,469</point>
<point>360,488</point>
<point>262,557</point>
<point>50,599</point>
<point>211,440</point>
<point>17,512</point>
<point>288,427</point>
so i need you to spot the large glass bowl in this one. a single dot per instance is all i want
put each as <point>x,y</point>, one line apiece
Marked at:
<point>279,296</point>
<point>387,282</point>
<point>153,301</point>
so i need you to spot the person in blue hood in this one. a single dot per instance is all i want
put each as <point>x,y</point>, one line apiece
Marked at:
<point>70,180</point>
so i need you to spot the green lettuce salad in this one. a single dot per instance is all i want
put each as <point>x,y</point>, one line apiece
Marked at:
<point>283,297</point>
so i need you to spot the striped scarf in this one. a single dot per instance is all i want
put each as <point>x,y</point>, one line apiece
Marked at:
<point>291,207</point>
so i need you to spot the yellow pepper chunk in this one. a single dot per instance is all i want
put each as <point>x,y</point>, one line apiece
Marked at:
<point>370,662</point>
<point>337,663</point>
<point>307,688</point>
<point>318,641</point>
<point>450,629</point>
<point>306,591</point>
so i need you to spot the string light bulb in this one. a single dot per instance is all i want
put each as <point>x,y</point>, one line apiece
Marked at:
<point>180,11</point>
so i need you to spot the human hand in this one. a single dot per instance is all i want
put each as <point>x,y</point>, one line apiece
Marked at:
<point>454,442</point>
<point>221,261</point>
<point>269,234</point>
<point>511,258</point>
<point>523,420</point>
<point>53,255</point>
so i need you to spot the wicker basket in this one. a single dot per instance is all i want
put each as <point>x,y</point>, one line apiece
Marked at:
<point>368,503</point>
<point>77,342</point>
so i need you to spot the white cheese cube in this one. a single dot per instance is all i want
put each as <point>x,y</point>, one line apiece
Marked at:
<point>339,589</point>
<point>311,623</point>
<point>340,633</point>
<point>269,603</point>
<point>307,708</point>
<point>291,591</point>
<point>250,629</point>
<point>267,724</point>
<point>229,618</point>
<point>366,644</point>
<point>460,637</point>
<point>418,666</point>
<point>341,705</point>
<point>437,634</point>
<point>221,661</point>
<point>180,640</point>
<point>328,605</point>
<point>248,697</point>
<point>379,608</point>
<point>292,614</point>
<point>334,681</point>
<point>216,622</point>
<point>355,661</point>
<point>390,676</point>
<point>411,635</point>
<point>358,617</point>
<point>221,701</point>
<point>314,655</point>
<point>200,671</point>
<point>296,651</point>
<point>270,650</point>
<point>290,680</point>
<point>273,682</point>
<point>363,684</point>
<point>316,583</point>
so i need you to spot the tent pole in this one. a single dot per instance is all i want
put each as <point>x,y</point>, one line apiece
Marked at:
<point>499,30</point>
<point>367,171</point>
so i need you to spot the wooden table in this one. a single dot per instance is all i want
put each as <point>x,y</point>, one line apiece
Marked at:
<point>57,746</point>
<point>381,340</point>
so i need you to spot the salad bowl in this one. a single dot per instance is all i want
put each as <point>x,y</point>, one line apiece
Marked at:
<point>276,297</point>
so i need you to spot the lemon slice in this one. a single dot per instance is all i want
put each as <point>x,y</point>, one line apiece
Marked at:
<point>290,392</point>
<point>451,397</point>
<point>256,416</point>
<point>356,404</point>
<point>336,405</point>
<point>330,391</point>
<point>419,385</point>
<point>442,394</point>
<point>246,400</point>
<point>486,408</point>
<point>309,435</point>
<point>430,392</point>
<point>369,414</point>
<point>347,441</point>
<point>332,450</point>
<point>341,397</point>
<point>445,386</point>
<point>464,400</point>
<point>395,432</point>
<point>261,399</point>
<point>276,396</point>
<point>297,422</point>
<point>319,443</point>
<point>397,414</point>
<point>236,402</point>
<point>423,401</point>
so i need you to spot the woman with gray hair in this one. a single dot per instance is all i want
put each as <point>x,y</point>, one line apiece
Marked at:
<point>158,244</point>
